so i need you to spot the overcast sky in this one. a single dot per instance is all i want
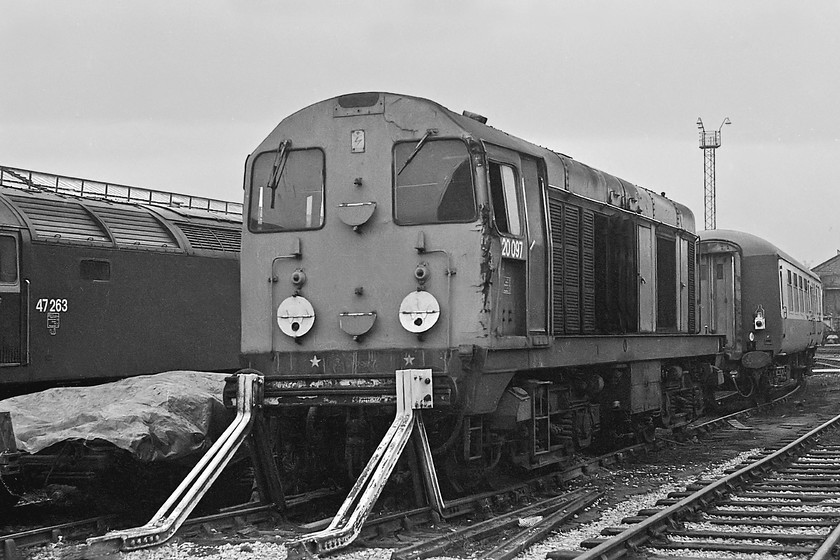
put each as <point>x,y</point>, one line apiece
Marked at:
<point>174,95</point>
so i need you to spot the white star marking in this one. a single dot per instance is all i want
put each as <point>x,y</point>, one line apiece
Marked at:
<point>315,361</point>
<point>409,359</point>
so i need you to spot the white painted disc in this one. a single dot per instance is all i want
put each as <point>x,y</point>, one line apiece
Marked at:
<point>295,316</point>
<point>419,311</point>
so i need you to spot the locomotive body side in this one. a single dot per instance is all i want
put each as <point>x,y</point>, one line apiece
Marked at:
<point>766,304</point>
<point>96,290</point>
<point>549,299</point>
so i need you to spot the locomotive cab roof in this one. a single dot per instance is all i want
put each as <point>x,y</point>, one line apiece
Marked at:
<point>415,115</point>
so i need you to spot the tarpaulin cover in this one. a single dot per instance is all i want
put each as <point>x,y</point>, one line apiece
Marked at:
<point>158,417</point>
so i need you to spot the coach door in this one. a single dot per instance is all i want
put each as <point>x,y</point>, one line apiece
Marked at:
<point>11,311</point>
<point>717,295</point>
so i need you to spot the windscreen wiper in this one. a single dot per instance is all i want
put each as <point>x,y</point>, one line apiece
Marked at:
<point>278,167</point>
<point>417,148</point>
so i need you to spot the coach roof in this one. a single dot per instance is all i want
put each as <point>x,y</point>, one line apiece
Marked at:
<point>750,245</point>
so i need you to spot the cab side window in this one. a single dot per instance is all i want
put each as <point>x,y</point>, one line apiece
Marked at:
<point>503,192</point>
<point>8,260</point>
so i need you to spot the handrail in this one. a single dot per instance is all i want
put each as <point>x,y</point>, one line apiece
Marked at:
<point>36,180</point>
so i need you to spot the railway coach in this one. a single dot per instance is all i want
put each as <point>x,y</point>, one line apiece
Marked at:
<point>767,305</point>
<point>101,281</point>
<point>553,303</point>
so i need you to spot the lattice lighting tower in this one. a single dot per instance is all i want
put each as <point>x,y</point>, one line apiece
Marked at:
<point>709,142</point>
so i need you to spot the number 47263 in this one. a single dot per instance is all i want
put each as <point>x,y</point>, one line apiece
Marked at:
<point>51,305</point>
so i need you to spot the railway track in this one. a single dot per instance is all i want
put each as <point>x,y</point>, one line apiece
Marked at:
<point>783,505</point>
<point>827,359</point>
<point>521,527</point>
<point>548,511</point>
<point>489,504</point>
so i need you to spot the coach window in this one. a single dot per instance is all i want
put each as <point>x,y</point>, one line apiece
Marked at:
<point>502,179</point>
<point>287,190</point>
<point>802,294</point>
<point>8,260</point>
<point>433,182</point>
<point>806,295</point>
<point>790,300</point>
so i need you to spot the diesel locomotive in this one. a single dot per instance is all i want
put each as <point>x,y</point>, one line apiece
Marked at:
<point>100,281</point>
<point>766,304</point>
<point>553,304</point>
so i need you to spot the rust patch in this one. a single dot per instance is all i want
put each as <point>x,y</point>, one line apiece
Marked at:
<point>486,272</point>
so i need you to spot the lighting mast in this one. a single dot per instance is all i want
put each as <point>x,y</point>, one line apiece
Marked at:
<point>709,142</point>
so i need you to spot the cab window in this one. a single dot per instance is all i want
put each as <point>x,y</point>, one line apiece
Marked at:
<point>433,182</point>
<point>8,260</point>
<point>287,190</point>
<point>502,179</point>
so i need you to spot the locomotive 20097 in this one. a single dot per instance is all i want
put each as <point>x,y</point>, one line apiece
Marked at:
<point>555,305</point>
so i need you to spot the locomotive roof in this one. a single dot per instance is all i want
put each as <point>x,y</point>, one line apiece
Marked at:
<point>68,218</point>
<point>750,245</point>
<point>562,169</point>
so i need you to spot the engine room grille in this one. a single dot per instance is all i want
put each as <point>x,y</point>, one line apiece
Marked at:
<point>692,248</point>
<point>212,238</point>
<point>573,268</point>
<point>588,271</point>
<point>60,220</point>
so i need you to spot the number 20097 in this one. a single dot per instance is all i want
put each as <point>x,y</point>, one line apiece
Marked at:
<point>51,305</point>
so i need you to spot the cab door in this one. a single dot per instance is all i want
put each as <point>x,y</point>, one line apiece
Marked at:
<point>11,310</point>
<point>505,181</point>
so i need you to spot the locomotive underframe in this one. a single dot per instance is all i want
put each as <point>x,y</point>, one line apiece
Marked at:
<point>489,409</point>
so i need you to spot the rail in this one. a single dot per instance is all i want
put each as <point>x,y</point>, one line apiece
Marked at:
<point>636,535</point>
<point>38,181</point>
<point>547,514</point>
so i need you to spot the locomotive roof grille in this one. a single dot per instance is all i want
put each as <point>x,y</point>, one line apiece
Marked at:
<point>72,220</point>
<point>132,227</point>
<point>57,219</point>
<point>210,238</point>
